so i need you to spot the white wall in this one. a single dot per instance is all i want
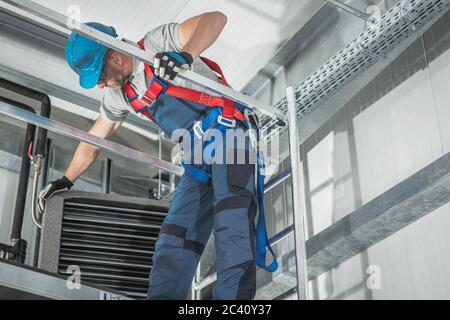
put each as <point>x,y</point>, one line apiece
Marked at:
<point>394,127</point>
<point>412,264</point>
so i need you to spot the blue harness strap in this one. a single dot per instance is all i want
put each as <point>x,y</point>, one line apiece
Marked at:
<point>210,119</point>
<point>190,170</point>
<point>201,176</point>
<point>262,240</point>
<point>196,174</point>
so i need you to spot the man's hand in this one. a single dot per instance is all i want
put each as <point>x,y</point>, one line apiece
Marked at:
<point>57,186</point>
<point>167,64</point>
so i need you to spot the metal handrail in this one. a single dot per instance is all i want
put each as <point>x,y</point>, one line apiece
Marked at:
<point>80,135</point>
<point>297,193</point>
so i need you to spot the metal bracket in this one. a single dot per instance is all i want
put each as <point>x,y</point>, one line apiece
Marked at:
<point>371,54</point>
<point>351,10</point>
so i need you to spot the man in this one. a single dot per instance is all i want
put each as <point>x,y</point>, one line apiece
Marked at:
<point>219,197</point>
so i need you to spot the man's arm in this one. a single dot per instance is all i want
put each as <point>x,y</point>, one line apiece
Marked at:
<point>86,154</point>
<point>196,35</point>
<point>199,33</point>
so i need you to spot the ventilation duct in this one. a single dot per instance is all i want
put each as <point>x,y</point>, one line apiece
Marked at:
<point>110,238</point>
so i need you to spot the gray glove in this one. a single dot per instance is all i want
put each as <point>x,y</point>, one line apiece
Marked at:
<point>61,185</point>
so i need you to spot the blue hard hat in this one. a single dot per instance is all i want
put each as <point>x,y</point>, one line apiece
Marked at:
<point>85,56</point>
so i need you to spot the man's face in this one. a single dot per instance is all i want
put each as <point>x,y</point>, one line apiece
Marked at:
<point>117,70</point>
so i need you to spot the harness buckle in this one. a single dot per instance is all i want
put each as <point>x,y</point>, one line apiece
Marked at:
<point>198,131</point>
<point>252,120</point>
<point>226,122</point>
<point>155,90</point>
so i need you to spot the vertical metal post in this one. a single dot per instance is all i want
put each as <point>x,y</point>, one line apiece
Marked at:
<point>193,290</point>
<point>106,184</point>
<point>299,216</point>
<point>49,154</point>
<point>196,292</point>
<point>172,183</point>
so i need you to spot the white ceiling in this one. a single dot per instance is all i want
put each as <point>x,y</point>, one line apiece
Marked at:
<point>255,30</point>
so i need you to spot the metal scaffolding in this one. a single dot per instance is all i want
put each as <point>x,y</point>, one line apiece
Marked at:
<point>404,20</point>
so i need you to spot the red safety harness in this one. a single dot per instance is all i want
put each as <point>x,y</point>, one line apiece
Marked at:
<point>158,88</point>
<point>228,119</point>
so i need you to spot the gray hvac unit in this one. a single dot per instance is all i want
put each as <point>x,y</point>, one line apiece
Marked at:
<point>110,238</point>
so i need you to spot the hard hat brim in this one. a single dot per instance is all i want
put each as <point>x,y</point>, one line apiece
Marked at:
<point>90,80</point>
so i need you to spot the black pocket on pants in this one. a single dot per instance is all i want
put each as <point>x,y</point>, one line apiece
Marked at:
<point>239,176</point>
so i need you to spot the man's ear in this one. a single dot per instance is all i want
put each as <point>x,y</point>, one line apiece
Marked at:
<point>117,58</point>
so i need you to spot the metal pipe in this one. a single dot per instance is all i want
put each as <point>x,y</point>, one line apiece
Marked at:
<point>41,142</point>
<point>39,153</point>
<point>46,162</point>
<point>80,135</point>
<point>195,293</point>
<point>106,183</point>
<point>351,10</point>
<point>116,44</point>
<point>37,162</point>
<point>44,180</point>
<point>16,230</point>
<point>39,147</point>
<point>299,216</point>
